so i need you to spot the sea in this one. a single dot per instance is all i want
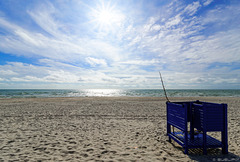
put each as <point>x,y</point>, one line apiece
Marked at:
<point>46,93</point>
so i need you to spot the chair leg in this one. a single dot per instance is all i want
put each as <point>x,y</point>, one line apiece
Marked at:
<point>186,141</point>
<point>224,141</point>
<point>169,131</point>
<point>225,132</point>
<point>204,143</point>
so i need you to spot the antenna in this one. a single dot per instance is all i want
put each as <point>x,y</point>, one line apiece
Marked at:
<point>163,87</point>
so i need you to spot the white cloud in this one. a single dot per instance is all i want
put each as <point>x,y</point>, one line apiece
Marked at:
<point>26,79</point>
<point>174,21</point>
<point>7,72</point>
<point>94,61</point>
<point>43,16</point>
<point>183,42</point>
<point>207,2</point>
<point>191,9</point>
<point>54,43</point>
<point>141,62</point>
<point>131,78</point>
<point>60,76</point>
<point>156,27</point>
<point>26,37</point>
<point>31,73</point>
<point>221,47</point>
<point>173,42</point>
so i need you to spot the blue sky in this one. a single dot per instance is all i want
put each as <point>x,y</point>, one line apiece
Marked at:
<point>119,44</point>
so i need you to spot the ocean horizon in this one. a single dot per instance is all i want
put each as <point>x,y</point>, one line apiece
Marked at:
<point>46,93</point>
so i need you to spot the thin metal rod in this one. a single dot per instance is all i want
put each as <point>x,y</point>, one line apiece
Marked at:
<point>163,87</point>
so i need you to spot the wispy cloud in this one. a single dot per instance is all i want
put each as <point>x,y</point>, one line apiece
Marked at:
<point>53,42</point>
<point>207,2</point>
<point>183,40</point>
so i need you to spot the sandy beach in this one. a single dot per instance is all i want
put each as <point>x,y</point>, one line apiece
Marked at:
<point>101,129</point>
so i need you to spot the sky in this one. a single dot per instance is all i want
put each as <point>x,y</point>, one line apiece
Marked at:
<point>79,44</point>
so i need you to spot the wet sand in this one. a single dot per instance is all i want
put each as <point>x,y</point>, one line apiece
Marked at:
<point>101,129</point>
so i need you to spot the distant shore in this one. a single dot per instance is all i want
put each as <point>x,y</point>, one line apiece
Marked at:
<point>101,129</point>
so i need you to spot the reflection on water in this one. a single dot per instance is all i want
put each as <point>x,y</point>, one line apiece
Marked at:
<point>102,92</point>
<point>42,93</point>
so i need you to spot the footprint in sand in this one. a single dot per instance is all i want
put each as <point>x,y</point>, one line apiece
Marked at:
<point>90,150</point>
<point>113,152</point>
<point>104,152</point>
<point>84,155</point>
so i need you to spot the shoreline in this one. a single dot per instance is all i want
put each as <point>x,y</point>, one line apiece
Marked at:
<point>100,129</point>
<point>149,97</point>
<point>39,93</point>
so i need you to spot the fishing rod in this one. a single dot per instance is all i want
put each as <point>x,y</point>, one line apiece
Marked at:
<point>164,87</point>
<point>165,93</point>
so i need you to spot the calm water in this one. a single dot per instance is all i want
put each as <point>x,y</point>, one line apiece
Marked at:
<point>41,93</point>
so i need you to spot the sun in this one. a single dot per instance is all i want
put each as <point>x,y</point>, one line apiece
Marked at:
<point>106,16</point>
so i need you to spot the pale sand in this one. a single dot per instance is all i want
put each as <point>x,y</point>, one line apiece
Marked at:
<point>100,129</point>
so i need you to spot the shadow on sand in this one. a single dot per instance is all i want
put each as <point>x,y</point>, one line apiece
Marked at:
<point>212,155</point>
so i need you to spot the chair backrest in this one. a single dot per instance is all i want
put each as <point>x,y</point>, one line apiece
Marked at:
<point>209,116</point>
<point>177,115</point>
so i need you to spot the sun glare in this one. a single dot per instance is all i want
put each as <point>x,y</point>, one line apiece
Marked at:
<point>106,16</point>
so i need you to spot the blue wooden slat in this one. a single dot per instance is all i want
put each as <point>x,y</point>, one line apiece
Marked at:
<point>176,115</point>
<point>179,141</point>
<point>214,120</point>
<point>198,140</point>
<point>206,117</point>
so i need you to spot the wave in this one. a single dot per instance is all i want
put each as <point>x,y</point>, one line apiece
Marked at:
<point>45,93</point>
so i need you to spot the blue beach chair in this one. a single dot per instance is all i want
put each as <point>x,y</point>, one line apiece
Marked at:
<point>203,117</point>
